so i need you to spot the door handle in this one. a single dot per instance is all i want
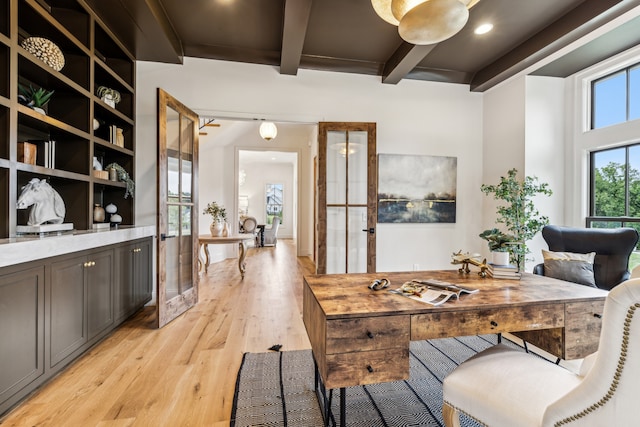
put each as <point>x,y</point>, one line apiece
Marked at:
<point>370,230</point>
<point>164,237</point>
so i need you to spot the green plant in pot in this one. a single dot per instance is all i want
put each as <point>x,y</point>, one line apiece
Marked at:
<point>109,96</point>
<point>218,216</point>
<point>34,98</point>
<point>499,243</point>
<point>517,211</point>
<point>123,176</point>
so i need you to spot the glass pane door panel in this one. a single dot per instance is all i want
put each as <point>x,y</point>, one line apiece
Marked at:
<point>187,156</point>
<point>173,220</point>
<point>186,261</point>
<point>357,244</point>
<point>357,167</point>
<point>336,167</point>
<point>185,183</point>
<point>173,180</point>
<point>186,220</point>
<point>336,240</point>
<point>172,268</point>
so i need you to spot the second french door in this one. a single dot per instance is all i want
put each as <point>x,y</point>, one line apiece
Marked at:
<point>347,198</point>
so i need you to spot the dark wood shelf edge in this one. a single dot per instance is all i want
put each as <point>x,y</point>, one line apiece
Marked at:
<point>111,146</point>
<point>46,15</point>
<point>53,122</point>
<point>108,182</point>
<point>113,74</point>
<point>57,74</point>
<point>109,108</point>
<point>57,173</point>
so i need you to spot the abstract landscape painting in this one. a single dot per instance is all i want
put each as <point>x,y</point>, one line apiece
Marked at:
<point>416,189</point>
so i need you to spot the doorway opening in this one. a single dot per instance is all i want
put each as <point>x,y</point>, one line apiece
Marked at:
<point>267,188</point>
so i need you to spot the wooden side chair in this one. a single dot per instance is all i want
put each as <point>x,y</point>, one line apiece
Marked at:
<point>504,387</point>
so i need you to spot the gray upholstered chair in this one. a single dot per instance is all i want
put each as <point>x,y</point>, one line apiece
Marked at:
<point>611,246</point>
<point>504,387</point>
<point>271,234</point>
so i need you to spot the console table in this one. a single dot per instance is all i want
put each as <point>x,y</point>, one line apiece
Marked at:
<point>206,240</point>
<point>360,336</point>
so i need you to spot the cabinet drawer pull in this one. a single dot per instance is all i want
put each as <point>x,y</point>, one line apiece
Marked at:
<point>494,323</point>
<point>599,316</point>
<point>89,264</point>
<point>370,334</point>
<point>370,369</point>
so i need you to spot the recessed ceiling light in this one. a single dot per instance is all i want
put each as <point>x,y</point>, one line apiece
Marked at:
<point>483,29</point>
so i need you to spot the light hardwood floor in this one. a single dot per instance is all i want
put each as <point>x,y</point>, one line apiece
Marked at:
<point>185,373</point>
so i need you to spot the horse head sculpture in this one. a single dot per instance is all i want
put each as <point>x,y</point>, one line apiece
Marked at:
<point>48,206</point>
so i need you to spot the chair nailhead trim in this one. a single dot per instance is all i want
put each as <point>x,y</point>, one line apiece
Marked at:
<point>616,378</point>
<point>467,414</point>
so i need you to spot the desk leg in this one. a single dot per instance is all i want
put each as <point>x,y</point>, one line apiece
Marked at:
<point>242,266</point>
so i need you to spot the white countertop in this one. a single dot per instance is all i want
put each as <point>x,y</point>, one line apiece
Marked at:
<point>17,250</point>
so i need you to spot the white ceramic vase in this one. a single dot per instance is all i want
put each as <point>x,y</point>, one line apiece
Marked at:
<point>216,228</point>
<point>108,99</point>
<point>500,258</point>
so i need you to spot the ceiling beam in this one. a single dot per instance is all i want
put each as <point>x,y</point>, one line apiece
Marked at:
<point>403,61</point>
<point>577,23</point>
<point>296,20</point>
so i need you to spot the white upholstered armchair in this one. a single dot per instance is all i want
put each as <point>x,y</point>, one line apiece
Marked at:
<point>505,387</point>
<point>271,234</point>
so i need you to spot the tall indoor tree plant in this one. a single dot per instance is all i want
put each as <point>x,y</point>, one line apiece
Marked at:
<point>517,212</point>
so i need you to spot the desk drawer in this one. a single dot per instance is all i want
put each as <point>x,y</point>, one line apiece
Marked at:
<point>582,328</point>
<point>367,367</point>
<point>367,333</point>
<point>490,321</point>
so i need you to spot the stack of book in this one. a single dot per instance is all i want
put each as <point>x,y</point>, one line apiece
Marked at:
<point>504,271</point>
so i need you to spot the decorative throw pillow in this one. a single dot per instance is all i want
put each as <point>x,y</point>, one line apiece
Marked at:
<point>572,267</point>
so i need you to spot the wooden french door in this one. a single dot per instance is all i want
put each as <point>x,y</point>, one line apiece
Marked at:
<point>177,281</point>
<point>347,198</point>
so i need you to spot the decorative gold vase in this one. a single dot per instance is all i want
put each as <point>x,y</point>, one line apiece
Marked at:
<point>98,213</point>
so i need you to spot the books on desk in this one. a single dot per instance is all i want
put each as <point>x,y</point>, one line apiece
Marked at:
<point>504,271</point>
<point>432,291</point>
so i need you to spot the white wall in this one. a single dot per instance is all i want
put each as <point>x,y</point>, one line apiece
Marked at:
<point>413,117</point>
<point>524,128</point>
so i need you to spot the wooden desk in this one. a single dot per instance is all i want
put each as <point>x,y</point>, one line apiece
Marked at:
<point>359,336</point>
<point>206,240</point>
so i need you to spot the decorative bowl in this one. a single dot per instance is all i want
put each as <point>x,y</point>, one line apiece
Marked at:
<point>45,50</point>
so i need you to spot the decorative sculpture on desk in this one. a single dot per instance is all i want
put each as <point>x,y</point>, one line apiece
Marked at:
<point>48,206</point>
<point>466,259</point>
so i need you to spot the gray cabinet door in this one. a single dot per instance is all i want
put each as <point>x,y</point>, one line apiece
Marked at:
<point>21,330</point>
<point>68,296</point>
<point>99,285</point>
<point>142,273</point>
<point>123,288</point>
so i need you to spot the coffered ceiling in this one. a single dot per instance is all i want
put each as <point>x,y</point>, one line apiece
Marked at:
<point>348,36</point>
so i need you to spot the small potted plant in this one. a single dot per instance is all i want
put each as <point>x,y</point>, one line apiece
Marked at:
<point>219,217</point>
<point>109,96</point>
<point>499,245</point>
<point>123,176</point>
<point>34,98</point>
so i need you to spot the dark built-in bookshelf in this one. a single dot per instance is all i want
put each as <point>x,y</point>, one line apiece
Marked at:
<point>93,57</point>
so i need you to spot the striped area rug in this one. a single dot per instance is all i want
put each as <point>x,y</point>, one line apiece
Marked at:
<point>276,389</point>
